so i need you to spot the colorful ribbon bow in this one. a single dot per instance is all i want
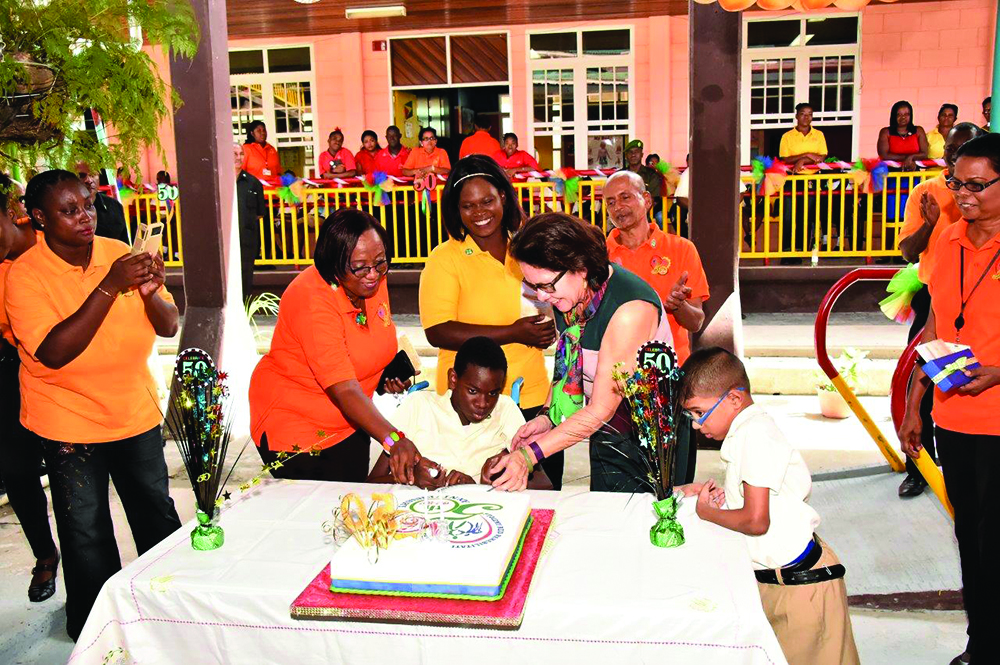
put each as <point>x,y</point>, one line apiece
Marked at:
<point>869,175</point>
<point>769,174</point>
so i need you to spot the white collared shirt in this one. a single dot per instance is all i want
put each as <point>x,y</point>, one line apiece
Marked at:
<point>756,452</point>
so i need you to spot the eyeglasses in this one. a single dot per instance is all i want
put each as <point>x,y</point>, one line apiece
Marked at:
<point>382,267</point>
<point>547,287</point>
<point>704,416</point>
<point>954,184</point>
<point>428,138</point>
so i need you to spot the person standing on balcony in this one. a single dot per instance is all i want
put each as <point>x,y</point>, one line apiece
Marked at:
<point>312,391</point>
<point>251,206</point>
<point>668,263</point>
<point>947,116</point>
<point>336,161</point>
<point>652,177</point>
<point>367,157</point>
<point>260,159</point>
<point>800,147</point>
<point>965,308</point>
<point>110,213</point>
<point>471,286</point>
<point>987,110</point>
<point>902,141</point>
<point>512,160</point>
<point>480,142</point>
<point>20,450</point>
<point>391,158</point>
<point>85,313</point>
<point>930,210</point>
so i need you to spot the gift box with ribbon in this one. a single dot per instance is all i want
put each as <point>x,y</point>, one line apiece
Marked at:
<point>947,371</point>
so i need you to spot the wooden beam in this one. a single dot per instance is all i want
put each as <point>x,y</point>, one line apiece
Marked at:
<point>716,40</point>
<point>203,130</point>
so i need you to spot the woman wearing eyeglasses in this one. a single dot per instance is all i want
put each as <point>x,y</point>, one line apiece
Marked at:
<point>604,313</point>
<point>471,286</point>
<point>313,390</point>
<point>965,309</point>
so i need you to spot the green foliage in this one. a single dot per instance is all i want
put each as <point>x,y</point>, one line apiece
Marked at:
<point>849,364</point>
<point>97,64</point>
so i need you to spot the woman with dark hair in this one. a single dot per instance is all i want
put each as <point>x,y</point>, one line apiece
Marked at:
<point>471,286</point>
<point>85,313</point>
<point>20,450</point>
<point>604,314</point>
<point>365,159</point>
<point>260,159</point>
<point>901,140</point>
<point>965,308</point>
<point>947,116</point>
<point>313,390</point>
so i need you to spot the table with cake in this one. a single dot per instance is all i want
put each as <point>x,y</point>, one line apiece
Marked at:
<point>466,575</point>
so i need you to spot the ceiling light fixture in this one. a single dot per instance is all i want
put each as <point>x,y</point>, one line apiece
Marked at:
<point>307,2</point>
<point>383,11</point>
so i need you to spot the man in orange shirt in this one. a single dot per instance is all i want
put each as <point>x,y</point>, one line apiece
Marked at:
<point>336,161</point>
<point>512,160</point>
<point>480,143</point>
<point>930,209</point>
<point>668,263</point>
<point>391,158</point>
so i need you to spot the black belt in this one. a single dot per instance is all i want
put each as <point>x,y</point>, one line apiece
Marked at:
<point>802,572</point>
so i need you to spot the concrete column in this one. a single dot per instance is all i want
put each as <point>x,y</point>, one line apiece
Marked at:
<point>203,130</point>
<point>715,43</point>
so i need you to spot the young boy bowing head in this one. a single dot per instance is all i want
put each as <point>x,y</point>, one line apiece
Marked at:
<point>764,494</point>
<point>459,434</point>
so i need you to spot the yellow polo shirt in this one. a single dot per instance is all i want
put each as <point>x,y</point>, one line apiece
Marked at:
<point>463,283</point>
<point>794,142</point>
<point>430,421</point>
<point>935,144</point>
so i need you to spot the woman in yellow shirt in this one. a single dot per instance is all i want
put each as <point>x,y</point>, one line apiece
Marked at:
<point>472,287</point>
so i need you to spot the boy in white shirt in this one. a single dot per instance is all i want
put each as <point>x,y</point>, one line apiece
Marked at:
<point>460,434</point>
<point>799,577</point>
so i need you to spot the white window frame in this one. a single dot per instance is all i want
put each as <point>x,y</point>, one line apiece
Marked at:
<point>582,127</point>
<point>267,81</point>
<point>801,55</point>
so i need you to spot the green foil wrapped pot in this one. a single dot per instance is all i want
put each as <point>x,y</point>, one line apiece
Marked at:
<point>207,535</point>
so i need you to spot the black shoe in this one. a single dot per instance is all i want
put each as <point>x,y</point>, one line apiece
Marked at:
<point>39,592</point>
<point>961,659</point>
<point>912,486</point>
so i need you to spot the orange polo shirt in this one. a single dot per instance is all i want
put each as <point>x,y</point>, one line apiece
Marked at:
<point>261,161</point>
<point>317,343</point>
<point>5,330</point>
<point>912,221</point>
<point>962,413</point>
<point>660,261</point>
<point>480,143</point>
<point>107,393</point>
<point>420,158</point>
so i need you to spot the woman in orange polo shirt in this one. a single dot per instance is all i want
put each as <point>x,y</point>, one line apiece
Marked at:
<point>259,157</point>
<point>333,340</point>
<point>20,451</point>
<point>965,309</point>
<point>85,314</point>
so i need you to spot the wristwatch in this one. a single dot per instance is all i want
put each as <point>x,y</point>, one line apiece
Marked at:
<point>544,411</point>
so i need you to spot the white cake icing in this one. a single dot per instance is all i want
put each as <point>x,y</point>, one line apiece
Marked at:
<point>483,531</point>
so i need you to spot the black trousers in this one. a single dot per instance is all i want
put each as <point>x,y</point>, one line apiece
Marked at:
<point>79,475</point>
<point>554,464</point>
<point>687,451</point>
<point>921,308</point>
<point>971,469</point>
<point>346,461</point>
<point>21,461</point>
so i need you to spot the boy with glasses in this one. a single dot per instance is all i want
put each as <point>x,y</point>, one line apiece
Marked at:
<point>764,494</point>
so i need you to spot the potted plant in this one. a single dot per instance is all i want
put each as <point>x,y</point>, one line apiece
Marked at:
<point>60,59</point>
<point>831,403</point>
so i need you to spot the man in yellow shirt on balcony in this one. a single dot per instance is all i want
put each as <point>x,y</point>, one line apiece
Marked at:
<point>930,209</point>
<point>801,146</point>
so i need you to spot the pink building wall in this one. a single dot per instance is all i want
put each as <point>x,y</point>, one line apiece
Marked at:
<point>928,53</point>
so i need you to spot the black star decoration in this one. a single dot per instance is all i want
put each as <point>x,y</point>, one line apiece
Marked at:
<point>226,496</point>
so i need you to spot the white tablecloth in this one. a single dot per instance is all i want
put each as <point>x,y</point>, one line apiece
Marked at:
<point>601,594</point>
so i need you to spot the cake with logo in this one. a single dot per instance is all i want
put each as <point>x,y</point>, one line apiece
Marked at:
<point>466,545</point>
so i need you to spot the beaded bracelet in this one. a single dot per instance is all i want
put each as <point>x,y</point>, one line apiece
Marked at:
<point>392,439</point>
<point>110,295</point>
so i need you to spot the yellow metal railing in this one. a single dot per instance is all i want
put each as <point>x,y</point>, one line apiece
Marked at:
<point>822,213</point>
<point>825,214</point>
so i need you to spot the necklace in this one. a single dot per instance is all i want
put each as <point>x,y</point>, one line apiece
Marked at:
<point>960,319</point>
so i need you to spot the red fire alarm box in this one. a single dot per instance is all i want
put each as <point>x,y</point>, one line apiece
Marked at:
<point>380,45</point>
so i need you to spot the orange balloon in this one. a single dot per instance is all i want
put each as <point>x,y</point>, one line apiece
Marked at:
<point>851,5</point>
<point>773,5</point>
<point>815,4</point>
<point>735,5</point>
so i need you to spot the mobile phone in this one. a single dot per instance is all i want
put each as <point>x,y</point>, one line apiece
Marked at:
<point>148,238</point>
